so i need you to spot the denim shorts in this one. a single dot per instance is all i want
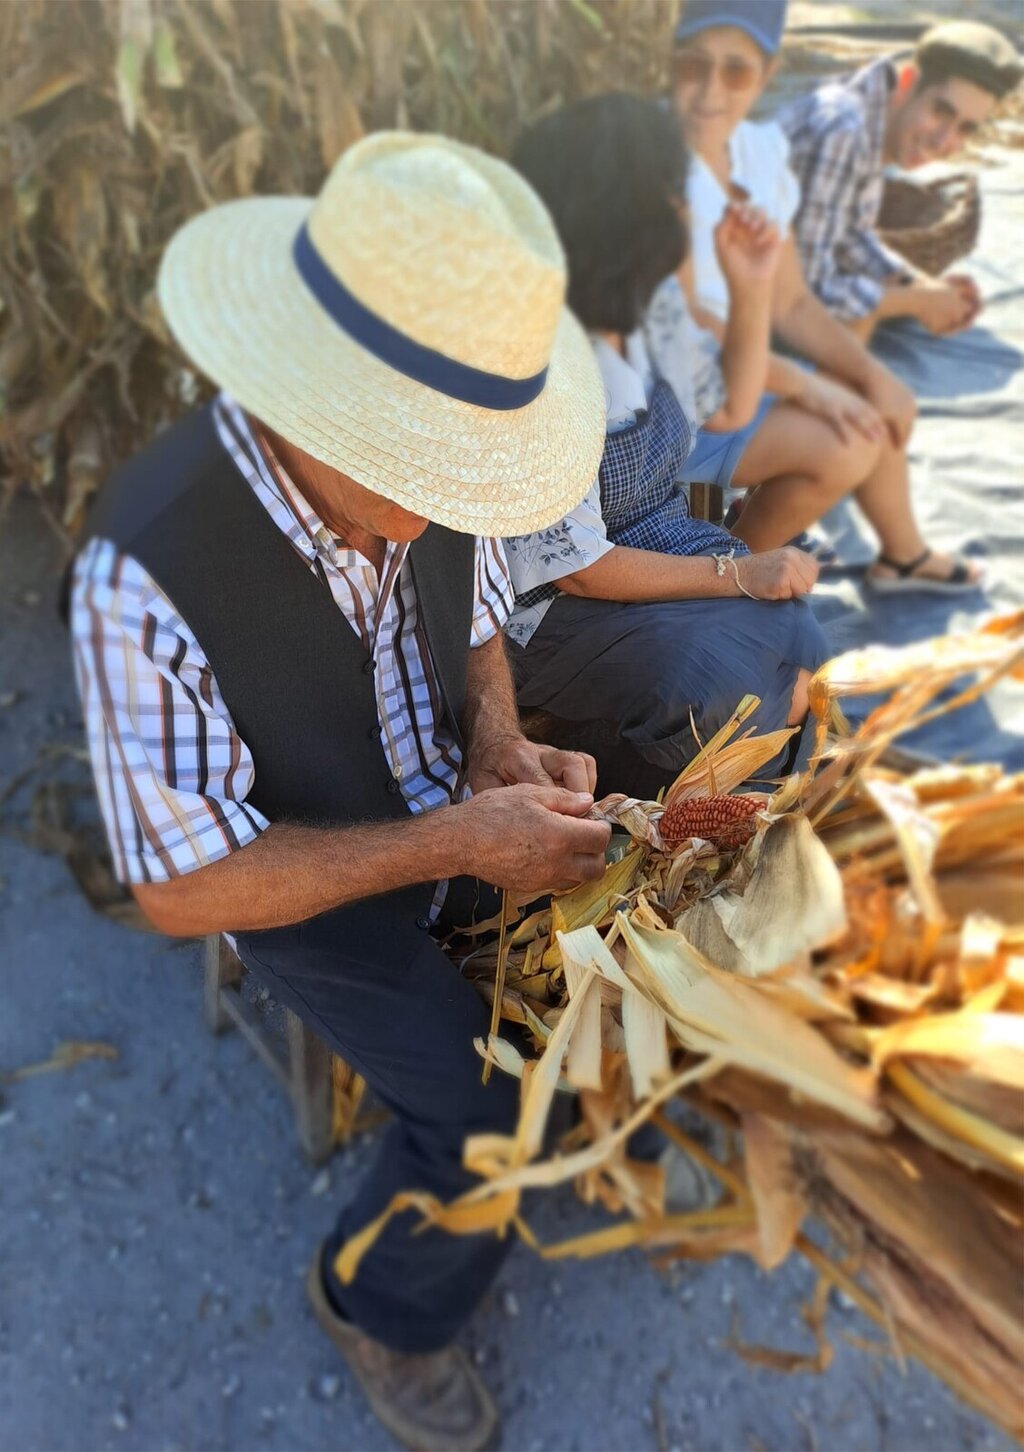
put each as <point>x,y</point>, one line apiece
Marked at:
<point>716,457</point>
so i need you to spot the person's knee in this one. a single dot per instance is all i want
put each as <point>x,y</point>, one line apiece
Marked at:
<point>844,463</point>
<point>799,701</point>
<point>676,684</point>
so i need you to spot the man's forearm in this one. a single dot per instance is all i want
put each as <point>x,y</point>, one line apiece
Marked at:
<point>810,330</point>
<point>786,379</point>
<point>491,713</point>
<point>292,872</point>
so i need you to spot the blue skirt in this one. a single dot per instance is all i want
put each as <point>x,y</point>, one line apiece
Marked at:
<point>645,669</point>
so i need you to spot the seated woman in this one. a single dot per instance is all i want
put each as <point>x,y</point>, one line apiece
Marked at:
<point>629,612</point>
<point>817,436</point>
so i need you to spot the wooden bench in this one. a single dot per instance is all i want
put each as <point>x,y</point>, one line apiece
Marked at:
<point>707,501</point>
<point>302,1063</point>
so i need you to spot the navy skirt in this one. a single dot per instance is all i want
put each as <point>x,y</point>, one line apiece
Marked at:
<point>644,670</point>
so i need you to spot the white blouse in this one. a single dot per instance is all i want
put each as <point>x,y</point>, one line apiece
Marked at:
<point>759,152</point>
<point>668,345</point>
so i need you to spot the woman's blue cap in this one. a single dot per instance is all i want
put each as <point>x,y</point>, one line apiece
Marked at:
<point>763,20</point>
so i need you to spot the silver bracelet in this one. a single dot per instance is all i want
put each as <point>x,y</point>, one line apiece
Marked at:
<point>730,558</point>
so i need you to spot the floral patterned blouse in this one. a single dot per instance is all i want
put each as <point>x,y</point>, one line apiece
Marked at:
<point>668,345</point>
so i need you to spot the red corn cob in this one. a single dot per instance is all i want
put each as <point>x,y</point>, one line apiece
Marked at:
<point>728,821</point>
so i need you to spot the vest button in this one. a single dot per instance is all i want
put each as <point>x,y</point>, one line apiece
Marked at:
<point>392,785</point>
<point>423,923</point>
<point>373,734</point>
<point>368,666</point>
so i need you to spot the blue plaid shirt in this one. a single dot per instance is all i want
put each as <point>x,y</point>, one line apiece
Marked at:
<point>642,503</point>
<point>836,135</point>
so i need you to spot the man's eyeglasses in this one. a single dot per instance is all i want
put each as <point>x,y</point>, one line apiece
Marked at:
<point>695,68</point>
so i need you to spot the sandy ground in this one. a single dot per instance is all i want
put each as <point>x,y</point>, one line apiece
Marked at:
<point>157,1216</point>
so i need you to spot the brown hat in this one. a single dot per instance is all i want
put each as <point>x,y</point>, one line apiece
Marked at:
<point>971,52</point>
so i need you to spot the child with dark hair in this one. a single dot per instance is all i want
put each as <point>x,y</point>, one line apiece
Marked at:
<point>629,612</point>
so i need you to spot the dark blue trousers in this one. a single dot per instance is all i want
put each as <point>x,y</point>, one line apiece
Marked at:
<point>381,993</point>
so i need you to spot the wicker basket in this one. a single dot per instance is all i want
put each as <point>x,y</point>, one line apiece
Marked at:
<point>932,224</point>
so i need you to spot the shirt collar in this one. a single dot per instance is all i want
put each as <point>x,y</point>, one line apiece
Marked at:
<point>294,514</point>
<point>874,84</point>
<point>290,510</point>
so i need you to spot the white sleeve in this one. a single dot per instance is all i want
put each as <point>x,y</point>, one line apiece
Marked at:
<point>684,355</point>
<point>785,199</point>
<point>570,545</point>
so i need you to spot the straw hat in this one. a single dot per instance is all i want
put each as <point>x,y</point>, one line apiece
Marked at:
<point>405,327</point>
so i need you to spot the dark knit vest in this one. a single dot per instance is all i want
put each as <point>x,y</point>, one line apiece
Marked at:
<point>294,675</point>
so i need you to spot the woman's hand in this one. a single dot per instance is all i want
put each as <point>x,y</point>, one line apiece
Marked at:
<point>784,574</point>
<point>893,400</point>
<point>944,304</point>
<point>747,245</point>
<point>969,291</point>
<point>846,411</point>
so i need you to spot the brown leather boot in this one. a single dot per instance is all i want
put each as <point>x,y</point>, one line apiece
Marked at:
<point>431,1403</point>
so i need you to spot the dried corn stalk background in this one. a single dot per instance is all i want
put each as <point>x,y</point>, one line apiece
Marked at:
<point>119,119</point>
<point>843,992</point>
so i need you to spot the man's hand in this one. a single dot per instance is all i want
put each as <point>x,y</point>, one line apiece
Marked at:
<point>969,290</point>
<point>842,407</point>
<point>783,574</point>
<point>531,838</point>
<point>942,305</point>
<point>512,760</point>
<point>893,400</point>
<point>747,245</point>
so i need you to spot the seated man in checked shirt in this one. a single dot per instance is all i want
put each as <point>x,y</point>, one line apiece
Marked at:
<point>287,618</point>
<point>843,135</point>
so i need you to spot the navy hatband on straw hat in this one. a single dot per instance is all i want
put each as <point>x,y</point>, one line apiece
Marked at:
<point>399,351</point>
<point>763,20</point>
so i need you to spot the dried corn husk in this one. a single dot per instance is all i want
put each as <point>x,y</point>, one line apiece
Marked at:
<point>846,989</point>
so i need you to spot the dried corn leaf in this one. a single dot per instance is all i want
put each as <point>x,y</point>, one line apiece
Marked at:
<point>990,1045</point>
<point>710,1010</point>
<point>776,1188</point>
<point>954,1130</point>
<point>996,646</point>
<point>583,1064</point>
<point>643,1023</point>
<point>591,902</point>
<point>792,903</point>
<point>995,1103</point>
<point>917,835</point>
<point>646,1041</point>
<point>510,1061</point>
<point>929,1206</point>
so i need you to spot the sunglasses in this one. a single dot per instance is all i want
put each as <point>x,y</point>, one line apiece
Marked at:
<point>694,68</point>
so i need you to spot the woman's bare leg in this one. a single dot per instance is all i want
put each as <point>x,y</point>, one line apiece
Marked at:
<point>884,496</point>
<point>799,702</point>
<point>803,468</point>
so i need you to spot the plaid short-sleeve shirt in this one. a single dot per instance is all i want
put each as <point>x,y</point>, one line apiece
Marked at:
<point>172,774</point>
<point>836,135</point>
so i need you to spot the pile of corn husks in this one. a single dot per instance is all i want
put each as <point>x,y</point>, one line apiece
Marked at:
<point>845,990</point>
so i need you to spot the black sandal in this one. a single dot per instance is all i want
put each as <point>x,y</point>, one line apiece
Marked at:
<point>907,581</point>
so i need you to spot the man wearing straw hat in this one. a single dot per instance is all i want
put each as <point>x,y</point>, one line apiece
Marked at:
<point>287,624</point>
